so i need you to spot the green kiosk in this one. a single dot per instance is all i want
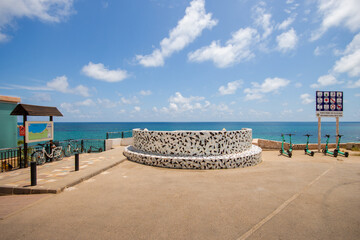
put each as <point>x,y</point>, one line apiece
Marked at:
<point>8,123</point>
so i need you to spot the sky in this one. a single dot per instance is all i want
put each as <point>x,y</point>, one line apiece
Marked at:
<point>180,60</point>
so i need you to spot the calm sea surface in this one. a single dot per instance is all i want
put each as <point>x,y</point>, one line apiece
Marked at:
<point>265,130</point>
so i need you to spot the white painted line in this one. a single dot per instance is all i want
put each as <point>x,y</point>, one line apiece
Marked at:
<point>70,189</point>
<point>90,180</point>
<point>280,208</point>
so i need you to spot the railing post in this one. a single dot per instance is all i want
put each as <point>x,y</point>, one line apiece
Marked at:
<point>122,134</point>
<point>82,145</point>
<point>76,161</point>
<point>19,158</point>
<point>107,135</point>
<point>33,173</point>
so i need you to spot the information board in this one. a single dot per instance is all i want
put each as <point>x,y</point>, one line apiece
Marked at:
<point>329,104</point>
<point>39,131</point>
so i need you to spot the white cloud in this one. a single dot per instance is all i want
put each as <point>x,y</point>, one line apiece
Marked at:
<point>6,88</point>
<point>179,103</point>
<point>145,92</point>
<point>336,13</point>
<point>286,23</point>
<point>352,84</point>
<point>306,98</point>
<point>300,110</point>
<point>137,109</point>
<point>187,30</point>
<point>42,97</point>
<point>298,85</point>
<point>317,51</point>
<point>81,90</point>
<point>263,19</point>
<point>132,100</point>
<point>269,85</point>
<point>68,107</point>
<point>100,72</point>
<point>357,95</point>
<point>258,113</point>
<point>287,40</point>
<point>87,103</point>
<point>44,10</point>
<point>107,103</point>
<point>61,84</point>
<point>237,49</point>
<point>325,80</point>
<point>231,88</point>
<point>350,62</point>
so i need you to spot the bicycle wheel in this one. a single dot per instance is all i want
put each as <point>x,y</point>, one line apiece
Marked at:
<point>38,157</point>
<point>67,151</point>
<point>58,154</point>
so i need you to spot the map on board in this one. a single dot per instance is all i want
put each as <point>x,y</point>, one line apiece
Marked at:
<point>39,131</point>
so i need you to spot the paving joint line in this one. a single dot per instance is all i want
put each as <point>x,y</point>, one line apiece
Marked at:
<point>25,190</point>
<point>281,207</point>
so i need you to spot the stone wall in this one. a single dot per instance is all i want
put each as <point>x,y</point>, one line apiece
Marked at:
<point>193,143</point>
<point>276,145</point>
<point>115,142</point>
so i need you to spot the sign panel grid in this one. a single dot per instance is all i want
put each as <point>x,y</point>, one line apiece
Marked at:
<point>329,104</point>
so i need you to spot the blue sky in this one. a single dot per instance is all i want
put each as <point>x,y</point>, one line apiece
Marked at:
<point>177,60</point>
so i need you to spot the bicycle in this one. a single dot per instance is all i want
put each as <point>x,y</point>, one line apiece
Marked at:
<point>41,156</point>
<point>71,148</point>
<point>94,149</point>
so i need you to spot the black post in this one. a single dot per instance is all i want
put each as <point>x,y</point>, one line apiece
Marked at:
<point>25,145</point>
<point>33,173</point>
<point>122,134</point>
<point>76,161</point>
<point>82,145</point>
<point>107,135</point>
<point>19,158</point>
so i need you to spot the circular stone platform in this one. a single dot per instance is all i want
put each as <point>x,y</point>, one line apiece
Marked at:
<point>194,149</point>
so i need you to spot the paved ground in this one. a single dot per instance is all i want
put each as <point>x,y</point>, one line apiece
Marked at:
<point>54,177</point>
<point>299,198</point>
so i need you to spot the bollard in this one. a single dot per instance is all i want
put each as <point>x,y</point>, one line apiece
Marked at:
<point>33,173</point>
<point>76,162</point>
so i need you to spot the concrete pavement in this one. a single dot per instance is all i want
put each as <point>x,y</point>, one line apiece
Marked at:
<point>299,198</point>
<point>54,177</point>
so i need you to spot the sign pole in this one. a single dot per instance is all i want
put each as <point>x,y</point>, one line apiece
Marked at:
<point>337,130</point>
<point>25,144</point>
<point>319,134</point>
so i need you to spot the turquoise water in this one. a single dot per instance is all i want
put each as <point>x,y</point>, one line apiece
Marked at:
<point>265,130</point>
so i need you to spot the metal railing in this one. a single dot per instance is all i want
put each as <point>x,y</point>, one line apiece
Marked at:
<point>13,158</point>
<point>123,134</point>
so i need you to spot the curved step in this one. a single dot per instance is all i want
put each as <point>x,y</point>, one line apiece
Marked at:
<point>247,158</point>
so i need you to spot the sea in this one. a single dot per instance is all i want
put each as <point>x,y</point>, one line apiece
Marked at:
<point>264,130</point>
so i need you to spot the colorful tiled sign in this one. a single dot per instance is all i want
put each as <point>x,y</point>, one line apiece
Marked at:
<point>329,104</point>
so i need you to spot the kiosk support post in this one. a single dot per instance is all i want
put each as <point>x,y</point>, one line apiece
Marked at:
<point>337,130</point>
<point>319,134</point>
